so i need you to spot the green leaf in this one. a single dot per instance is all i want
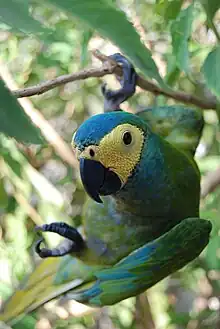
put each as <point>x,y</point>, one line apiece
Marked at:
<point>26,322</point>
<point>3,194</point>
<point>210,6</point>
<point>211,71</point>
<point>212,251</point>
<point>86,37</point>
<point>113,24</point>
<point>173,71</point>
<point>15,166</point>
<point>181,31</point>
<point>168,9</point>
<point>13,120</point>
<point>15,13</point>
<point>172,9</point>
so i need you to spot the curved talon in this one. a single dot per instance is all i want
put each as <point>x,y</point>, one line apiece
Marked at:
<point>62,229</point>
<point>119,58</point>
<point>129,74</point>
<point>113,98</point>
<point>41,252</point>
<point>73,243</point>
<point>37,245</point>
<point>62,250</point>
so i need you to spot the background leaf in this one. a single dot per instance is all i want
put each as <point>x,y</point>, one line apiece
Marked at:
<point>168,9</point>
<point>13,120</point>
<point>15,13</point>
<point>3,194</point>
<point>114,25</point>
<point>181,31</point>
<point>211,71</point>
<point>210,6</point>
<point>86,37</point>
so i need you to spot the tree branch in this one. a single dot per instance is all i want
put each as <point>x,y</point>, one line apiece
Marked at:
<point>110,67</point>
<point>61,80</point>
<point>143,315</point>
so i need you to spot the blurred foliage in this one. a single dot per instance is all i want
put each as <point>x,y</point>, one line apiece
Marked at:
<point>40,41</point>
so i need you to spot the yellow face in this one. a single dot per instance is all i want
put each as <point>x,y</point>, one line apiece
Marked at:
<point>119,151</point>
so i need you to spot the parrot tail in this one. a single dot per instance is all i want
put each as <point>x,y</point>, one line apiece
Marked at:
<point>40,287</point>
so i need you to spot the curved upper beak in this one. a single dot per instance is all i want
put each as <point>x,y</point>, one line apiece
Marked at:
<point>97,179</point>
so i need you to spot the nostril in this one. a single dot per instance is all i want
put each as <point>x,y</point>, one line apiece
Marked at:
<point>92,153</point>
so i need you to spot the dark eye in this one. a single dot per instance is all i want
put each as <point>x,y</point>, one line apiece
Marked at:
<point>127,138</point>
<point>92,153</point>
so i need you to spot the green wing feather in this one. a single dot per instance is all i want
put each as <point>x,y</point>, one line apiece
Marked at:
<point>179,125</point>
<point>95,285</point>
<point>147,265</point>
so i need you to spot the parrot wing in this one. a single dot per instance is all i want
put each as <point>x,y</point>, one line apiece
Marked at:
<point>98,286</point>
<point>147,265</point>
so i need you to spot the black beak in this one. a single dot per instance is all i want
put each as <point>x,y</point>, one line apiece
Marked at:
<point>97,179</point>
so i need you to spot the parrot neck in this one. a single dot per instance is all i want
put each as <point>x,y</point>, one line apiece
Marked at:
<point>144,191</point>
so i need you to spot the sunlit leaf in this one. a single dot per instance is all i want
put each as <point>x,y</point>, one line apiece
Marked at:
<point>13,120</point>
<point>181,31</point>
<point>211,71</point>
<point>112,23</point>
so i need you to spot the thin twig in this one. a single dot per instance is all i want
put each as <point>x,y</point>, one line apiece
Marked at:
<point>110,67</point>
<point>61,80</point>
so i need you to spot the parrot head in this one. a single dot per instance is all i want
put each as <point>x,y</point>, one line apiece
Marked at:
<point>108,147</point>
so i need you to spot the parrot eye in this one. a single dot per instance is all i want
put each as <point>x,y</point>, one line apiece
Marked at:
<point>127,138</point>
<point>91,153</point>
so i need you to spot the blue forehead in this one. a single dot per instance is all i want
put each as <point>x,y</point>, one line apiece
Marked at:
<point>96,127</point>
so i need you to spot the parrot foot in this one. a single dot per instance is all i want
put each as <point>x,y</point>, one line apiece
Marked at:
<point>113,98</point>
<point>73,243</point>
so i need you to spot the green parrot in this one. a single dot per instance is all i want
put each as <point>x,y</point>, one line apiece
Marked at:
<point>141,222</point>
